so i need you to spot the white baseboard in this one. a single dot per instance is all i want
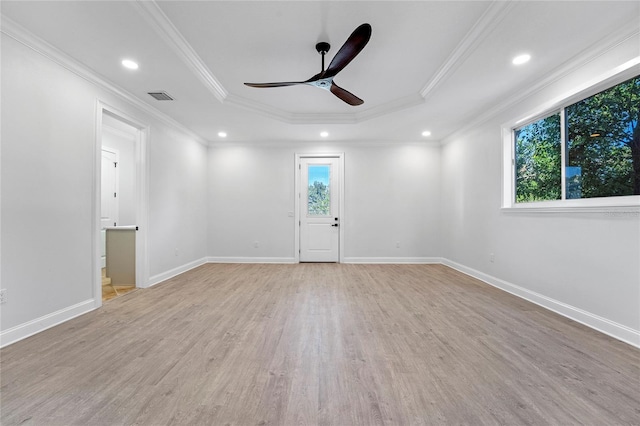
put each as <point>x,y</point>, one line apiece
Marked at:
<point>603,325</point>
<point>218,259</point>
<point>37,325</point>
<point>364,260</point>
<point>156,279</point>
<point>392,260</point>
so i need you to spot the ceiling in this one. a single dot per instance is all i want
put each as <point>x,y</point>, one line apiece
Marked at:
<point>430,65</point>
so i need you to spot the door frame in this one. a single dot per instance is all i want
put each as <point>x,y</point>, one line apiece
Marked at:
<point>141,197</point>
<point>296,197</point>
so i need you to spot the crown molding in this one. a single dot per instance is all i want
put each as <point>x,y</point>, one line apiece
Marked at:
<point>340,145</point>
<point>163,26</point>
<point>324,118</point>
<point>483,26</point>
<point>259,108</point>
<point>28,39</point>
<point>289,118</point>
<point>390,107</point>
<point>627,31</point>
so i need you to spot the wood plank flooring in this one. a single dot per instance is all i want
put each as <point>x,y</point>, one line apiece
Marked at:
<point>320,344</point>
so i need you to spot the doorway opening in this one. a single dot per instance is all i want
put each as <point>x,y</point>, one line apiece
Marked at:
<point>120,204</point>
<point>319,195</point>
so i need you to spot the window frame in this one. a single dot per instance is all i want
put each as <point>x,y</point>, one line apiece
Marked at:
<point>611,78</point>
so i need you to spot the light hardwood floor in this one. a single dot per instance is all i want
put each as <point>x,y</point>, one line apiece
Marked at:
<point>320,344</point>
<point>111,291</point>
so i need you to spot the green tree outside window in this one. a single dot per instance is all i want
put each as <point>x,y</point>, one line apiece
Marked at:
<point>318,199</point>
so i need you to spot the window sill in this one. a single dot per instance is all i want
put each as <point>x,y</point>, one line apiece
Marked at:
<point>611,206</point>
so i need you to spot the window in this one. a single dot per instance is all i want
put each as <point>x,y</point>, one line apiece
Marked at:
<point>538,164</point>
<point>587,149</point>
<point>318,202</point>
<point>602,135</point>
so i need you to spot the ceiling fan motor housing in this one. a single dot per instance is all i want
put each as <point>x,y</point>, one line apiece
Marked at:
<point>323,47</point>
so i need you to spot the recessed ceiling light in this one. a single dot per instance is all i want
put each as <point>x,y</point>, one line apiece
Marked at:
<point>521,59</point>
<point>222,134</point>
<point>324,134</point>
<point>128,63</point>
<point>426,133</point>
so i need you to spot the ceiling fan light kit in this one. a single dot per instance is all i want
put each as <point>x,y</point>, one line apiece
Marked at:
<point>324,79</point>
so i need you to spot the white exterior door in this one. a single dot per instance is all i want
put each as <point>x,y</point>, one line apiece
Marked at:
<point>109,188</point>
<point>319,209</point>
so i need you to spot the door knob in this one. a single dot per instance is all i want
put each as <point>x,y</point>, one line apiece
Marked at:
<point>335,224</point>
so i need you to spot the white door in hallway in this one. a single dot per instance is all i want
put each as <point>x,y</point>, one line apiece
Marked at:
<point>319,209</point>
<point>109,188</point>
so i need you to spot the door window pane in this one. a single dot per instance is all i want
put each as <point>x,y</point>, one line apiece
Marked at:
<point>319,199</point>
<point>538,155</point>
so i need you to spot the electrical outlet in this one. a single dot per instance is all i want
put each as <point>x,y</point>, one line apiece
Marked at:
<point>492,257</point>
<point>397,244</point>
<point>256,244</point>
<point>176,252</point>
<point>3,296</point>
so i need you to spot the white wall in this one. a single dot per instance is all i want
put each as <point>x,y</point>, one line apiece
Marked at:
<point>389,196</point>
<point>585,265</point>
<point>177,202</point>
<point>390,193</point>
<point>48,142</point>
<point>250,195</point>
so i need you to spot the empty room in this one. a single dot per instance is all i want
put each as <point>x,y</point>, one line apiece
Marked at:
<point>320,213</point>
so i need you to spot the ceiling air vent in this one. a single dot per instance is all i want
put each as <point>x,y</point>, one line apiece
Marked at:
<point>161,96</point>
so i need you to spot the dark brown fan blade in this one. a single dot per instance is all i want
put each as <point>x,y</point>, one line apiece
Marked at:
<point>349,50</point>
<point>345,95</point>
<point>282,84</point>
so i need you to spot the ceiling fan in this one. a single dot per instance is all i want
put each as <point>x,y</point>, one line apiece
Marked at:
<point>324,79</point>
